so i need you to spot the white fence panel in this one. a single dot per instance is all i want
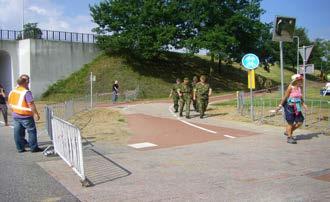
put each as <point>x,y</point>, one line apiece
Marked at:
<point>68,145</point>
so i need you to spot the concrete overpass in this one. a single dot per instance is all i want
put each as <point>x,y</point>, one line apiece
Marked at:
<point>46,60</point>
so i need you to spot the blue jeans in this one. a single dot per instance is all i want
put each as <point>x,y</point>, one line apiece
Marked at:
<point>20,124</point>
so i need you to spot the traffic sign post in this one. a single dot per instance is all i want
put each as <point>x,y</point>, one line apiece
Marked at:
<point>309,69</point>
<point>305,52</point>
<point>91,79</point>
<point>251,61</point>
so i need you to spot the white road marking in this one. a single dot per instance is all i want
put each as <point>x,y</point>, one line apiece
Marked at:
<point>190,124</point>
<point>4,124</point>
<point>229,136</point>
<point>142,145</point>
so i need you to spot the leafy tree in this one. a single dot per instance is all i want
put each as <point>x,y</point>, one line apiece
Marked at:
<point>227,29</point>
<point>141,27</point>
<point>31,31</point>
<point>290,49</point>
<point>147,27</point>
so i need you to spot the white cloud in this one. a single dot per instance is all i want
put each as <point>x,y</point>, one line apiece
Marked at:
<point>47,13</point>
<point>38,10</point>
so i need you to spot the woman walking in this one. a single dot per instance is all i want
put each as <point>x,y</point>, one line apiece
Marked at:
<point>292,102</point>
<point>3,105</point>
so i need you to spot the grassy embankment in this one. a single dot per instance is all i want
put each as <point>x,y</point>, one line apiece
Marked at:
<point>154,77</point>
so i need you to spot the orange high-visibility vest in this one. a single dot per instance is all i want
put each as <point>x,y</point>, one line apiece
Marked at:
<point>17,102</point>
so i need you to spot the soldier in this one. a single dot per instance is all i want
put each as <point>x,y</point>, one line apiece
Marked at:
<point>202,93</point>
<point>185,92</point>
<point>195,81</point>
<point>174,94</point>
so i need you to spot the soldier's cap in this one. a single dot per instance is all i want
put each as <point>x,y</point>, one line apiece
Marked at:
<point>186,79</point>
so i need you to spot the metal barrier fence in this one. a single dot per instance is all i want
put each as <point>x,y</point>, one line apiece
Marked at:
<point>68,145</point>
<point>49,35</point>
<point>66,137</point>
<point>317,117</point>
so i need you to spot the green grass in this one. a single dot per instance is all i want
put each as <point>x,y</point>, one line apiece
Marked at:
<point>154,77</point>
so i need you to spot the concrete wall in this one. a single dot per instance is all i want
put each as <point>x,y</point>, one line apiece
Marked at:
<point>46,61</point>
<point>51,61</point>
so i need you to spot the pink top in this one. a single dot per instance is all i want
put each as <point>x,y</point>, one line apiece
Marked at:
<point>295,92</point>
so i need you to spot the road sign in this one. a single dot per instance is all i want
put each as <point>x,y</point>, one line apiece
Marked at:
<point>284,28</point>
<point>250,61</point>
<point>305,55</point>
<point>251,79</point>
<point>309,69</point>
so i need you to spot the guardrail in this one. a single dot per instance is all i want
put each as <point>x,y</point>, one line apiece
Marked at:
<point>49,35</point>
<point>68,145</point>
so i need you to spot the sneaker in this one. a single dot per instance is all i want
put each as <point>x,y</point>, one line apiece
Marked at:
<point>21,151</point>
<point>291,140</point>
<point>37,150</point>
<point>187,117</point>
<point>201,116</point>
<point>180,115</point>
<point>176,111</point>
<point>288,135</point>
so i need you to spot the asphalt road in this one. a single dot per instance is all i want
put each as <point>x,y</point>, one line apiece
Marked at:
<point>22,179</point>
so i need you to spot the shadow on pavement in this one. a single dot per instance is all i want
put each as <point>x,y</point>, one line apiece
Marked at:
<point>100,169</point>
<point>308,136</point>
<point>218,114</point>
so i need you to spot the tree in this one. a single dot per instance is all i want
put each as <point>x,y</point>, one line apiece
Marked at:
<point>226,28</point>
<point>141,27</point>
<point>31,31</point>
<point>290,49</point>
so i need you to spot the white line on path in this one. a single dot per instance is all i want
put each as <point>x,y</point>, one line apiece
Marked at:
<point>142,145</point>
<point>190,124</point>
<point>229,136</point>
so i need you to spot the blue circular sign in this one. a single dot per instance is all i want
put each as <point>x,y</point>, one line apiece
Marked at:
<point>250,61</point>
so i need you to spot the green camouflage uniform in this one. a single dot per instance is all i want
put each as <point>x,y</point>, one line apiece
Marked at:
<point>185,99</point>
<point>195,104</point>
<point>175,96</point>
<point>202,96</point>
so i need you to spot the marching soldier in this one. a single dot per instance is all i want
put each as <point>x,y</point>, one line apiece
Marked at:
<point>202,93</point>
<point>174,94</point>
<point>185,93</point>
<point>194,82</point>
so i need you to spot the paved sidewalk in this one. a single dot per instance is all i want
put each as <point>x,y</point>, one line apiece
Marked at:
<point>21,179</point>
<point>260,167</point>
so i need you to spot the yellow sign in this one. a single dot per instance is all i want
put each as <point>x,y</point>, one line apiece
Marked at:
<point>251,79</point>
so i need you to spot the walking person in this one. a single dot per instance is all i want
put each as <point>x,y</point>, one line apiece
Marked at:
<point>115,91</point>
<point>292,102</point>
<point>24,111</point>
<point>174,94</point>
<point>3,105</point>
<point>193,84</point>
<point>202,93</point>
<point>185,94</point>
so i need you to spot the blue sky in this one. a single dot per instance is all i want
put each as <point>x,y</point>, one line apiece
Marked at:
<point>314,15</point>
<point>74,15</point>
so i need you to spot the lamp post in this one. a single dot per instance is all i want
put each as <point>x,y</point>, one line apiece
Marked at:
<point>297,53</point>
<point>22,19</point>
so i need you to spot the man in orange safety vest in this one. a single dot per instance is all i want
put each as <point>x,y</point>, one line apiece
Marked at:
<point>24,110</point>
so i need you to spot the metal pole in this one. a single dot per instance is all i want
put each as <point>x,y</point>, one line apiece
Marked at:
<point>23,20</point>
<point>282,73</point>
<point>251,97</point>
<point>304,69</point>
<point>298,40</point>
<point>91,80</point>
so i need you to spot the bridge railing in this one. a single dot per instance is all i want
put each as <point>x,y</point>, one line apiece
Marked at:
<point>49,35</point>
